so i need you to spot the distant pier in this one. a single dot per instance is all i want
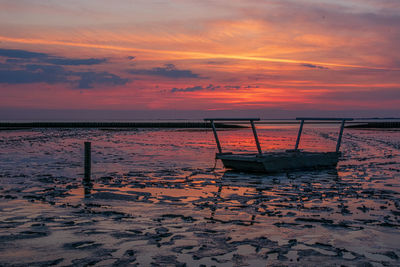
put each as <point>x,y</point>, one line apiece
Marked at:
<point>24,125</point>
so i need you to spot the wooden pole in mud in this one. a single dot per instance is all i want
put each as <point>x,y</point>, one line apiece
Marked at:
<point>87,162</point>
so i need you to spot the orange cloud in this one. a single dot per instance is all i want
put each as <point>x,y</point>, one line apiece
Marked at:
<point>179,55</point>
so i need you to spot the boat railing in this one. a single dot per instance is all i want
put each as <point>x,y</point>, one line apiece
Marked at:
<point>339,140</point>
<point>251,120</point>
<point>296,147</point>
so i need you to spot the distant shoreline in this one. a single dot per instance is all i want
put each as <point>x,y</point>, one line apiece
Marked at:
<point>368,125</point>
<point>182,124</point>
<point>25,125</point>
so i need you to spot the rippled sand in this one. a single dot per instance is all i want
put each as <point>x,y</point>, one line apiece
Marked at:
<point>157,199</point>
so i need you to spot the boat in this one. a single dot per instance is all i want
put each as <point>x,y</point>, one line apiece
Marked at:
<point>278,161</point>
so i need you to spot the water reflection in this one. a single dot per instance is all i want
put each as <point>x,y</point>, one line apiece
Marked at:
<point>235,178</point>
<point>155,199</point>
<point>87,189</point>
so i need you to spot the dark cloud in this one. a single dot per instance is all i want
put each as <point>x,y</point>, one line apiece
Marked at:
<point>88,79</point>
<point>23,67</point>
<point>34,74</point>
<point>14,53</point>
<point>18,61</point>
<point>51,74</point>
<point>187,89</point>
<point>24,56</point>
<point>75,61</point>
<point>209,88</point>
<point>195,88</point>
<point>212,62</point>
<point>308,65</point>
<point>251,86</point>
<point>232,86</point>
<point>169,71</point>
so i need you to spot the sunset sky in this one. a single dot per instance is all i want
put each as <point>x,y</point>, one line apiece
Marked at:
<point>186,56</point>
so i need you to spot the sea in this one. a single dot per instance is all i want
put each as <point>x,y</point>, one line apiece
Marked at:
<point>158,197</point>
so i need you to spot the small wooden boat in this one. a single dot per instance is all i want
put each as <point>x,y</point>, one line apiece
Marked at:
<point>277,161</point>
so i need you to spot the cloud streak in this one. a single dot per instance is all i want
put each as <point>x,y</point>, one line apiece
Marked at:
<point>189,54</point>
<point>210,87</point>
<point>168,71</point>
<point>75,61</point>
<point>312,66</point>
<point>195,88</point>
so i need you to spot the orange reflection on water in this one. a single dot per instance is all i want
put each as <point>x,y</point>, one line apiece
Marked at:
<point>279,137</point>
<point>159,187</point>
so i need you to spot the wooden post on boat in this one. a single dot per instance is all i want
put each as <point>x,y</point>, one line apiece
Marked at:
<point>343,120</point>
<point>234,119</point>
<point>216,136</point>
<point>340,136</point>
<point>298,136</point>
<point>87,162</point>
<point>256,137</point>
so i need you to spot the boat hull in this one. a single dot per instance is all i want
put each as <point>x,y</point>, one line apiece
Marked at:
<point>279,161</point>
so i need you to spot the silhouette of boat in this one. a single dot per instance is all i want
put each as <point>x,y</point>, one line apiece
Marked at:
<point>278,161</point>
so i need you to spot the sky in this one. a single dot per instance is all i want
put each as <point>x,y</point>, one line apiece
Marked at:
<point>189,58</point>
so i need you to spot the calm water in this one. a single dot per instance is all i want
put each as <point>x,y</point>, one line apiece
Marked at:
<point>158,197</point>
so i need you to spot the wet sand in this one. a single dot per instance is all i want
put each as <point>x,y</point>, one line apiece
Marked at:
<point>157,200</point>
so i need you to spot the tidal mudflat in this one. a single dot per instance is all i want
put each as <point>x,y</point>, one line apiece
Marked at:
<point>158,198</point>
